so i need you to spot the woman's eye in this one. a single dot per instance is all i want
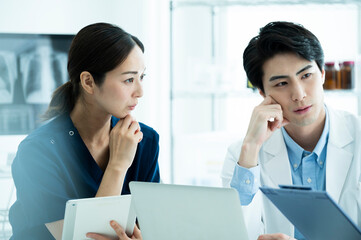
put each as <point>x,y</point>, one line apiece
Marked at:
<point>130,80</point>
<point>142,77</point>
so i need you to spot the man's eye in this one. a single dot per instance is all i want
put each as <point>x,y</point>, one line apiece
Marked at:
<point>307,75</point>
<point>130,80</point>
<point>281,84</point>
<point>142,77</point>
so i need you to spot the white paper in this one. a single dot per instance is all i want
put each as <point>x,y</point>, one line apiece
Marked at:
<point>56,228</point>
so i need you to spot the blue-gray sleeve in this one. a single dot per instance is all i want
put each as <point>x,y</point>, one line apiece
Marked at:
<point>246,182</point>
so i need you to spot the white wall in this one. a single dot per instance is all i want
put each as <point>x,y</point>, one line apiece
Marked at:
<point>67,16</point>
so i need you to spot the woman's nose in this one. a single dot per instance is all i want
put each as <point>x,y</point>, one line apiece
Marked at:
<point>138,93</point>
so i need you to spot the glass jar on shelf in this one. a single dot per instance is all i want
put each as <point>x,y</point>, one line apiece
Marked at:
<point>347,74</point>
<point>331,76</point>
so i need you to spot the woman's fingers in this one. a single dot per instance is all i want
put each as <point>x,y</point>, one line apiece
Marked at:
<point>136,233</point>
<point>96,236</point>
<point>119,230</point>
<point>123,142</point>
<point>275,236</point>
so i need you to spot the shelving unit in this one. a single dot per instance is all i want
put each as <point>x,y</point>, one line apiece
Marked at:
<point>199,88</point>
<point>222,3</point>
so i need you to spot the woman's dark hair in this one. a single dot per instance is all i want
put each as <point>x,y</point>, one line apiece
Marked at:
<point>97,48</point>
<point>275,38</point>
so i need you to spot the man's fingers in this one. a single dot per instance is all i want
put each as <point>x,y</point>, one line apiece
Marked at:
<point>266,101</point>
<point>285,122</point>
<point>269,100</point>
<point>273,110</point>
<point>273,101</point>
<point>277,121</point>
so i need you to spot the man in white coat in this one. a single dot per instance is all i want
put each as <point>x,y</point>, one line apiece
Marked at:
<point>292,137</point>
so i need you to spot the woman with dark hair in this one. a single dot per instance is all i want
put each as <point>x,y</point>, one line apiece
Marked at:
<point>92,146</point>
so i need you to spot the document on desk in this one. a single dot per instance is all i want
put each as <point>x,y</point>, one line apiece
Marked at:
<point>93,215</point>
<point>314,213</point>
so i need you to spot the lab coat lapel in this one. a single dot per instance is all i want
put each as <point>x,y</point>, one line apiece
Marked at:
<point>276,168</point>
<point>276,162</point>
<point>338,158</point>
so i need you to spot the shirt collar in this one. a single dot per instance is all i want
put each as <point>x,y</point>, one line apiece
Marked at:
<point>297,151</point>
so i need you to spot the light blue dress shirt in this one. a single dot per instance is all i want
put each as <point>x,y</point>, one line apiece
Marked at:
<point>308,169</point>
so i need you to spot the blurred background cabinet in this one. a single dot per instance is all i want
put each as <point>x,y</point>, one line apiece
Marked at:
<point>210,102</point>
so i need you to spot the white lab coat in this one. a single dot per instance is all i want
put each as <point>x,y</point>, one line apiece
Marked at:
<point>343,174</point>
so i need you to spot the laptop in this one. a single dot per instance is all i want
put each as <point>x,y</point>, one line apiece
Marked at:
<point>94,214</point>
<point>314,213</point>
<point>178,212</point>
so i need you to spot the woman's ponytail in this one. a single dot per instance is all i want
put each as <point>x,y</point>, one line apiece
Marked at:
<point>62,101</point>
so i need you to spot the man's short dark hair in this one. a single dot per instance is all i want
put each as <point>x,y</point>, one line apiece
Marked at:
<point>275,38</point>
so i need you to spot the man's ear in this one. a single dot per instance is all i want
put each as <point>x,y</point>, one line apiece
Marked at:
<point>323,76</point>
<point>261,93</point>
<point>87,82</point>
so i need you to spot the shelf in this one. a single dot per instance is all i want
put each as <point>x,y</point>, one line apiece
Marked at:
<point>214,93</point>
<point>225,3</point>
<point>342,92</point>
<point>250,93</point>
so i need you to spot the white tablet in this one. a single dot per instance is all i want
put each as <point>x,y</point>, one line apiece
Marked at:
<point>94,214</point>
<point>177,212</point>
